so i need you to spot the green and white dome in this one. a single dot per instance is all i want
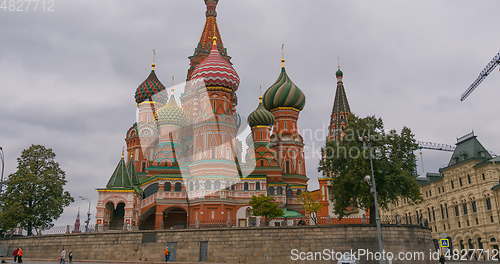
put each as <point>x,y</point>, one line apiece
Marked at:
<point>261,116</point>
<point>171,113</point>
<point>284,93</point>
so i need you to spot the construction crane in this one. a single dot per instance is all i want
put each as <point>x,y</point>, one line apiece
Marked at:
<point>435,146</point>
<point>439,147</point>
<point>432,146</point>
<point>486,71</point>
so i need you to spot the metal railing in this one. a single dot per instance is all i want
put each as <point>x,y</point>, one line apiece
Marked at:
<point>275,222</point>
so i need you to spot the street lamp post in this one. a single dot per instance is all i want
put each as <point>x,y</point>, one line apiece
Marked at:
<point>3,167</point>
<point>370,180</point>
<point>87,222</point>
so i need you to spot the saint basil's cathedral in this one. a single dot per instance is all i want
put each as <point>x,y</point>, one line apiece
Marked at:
<point>184,166</point>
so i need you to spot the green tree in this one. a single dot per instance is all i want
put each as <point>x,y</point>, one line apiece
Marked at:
<point>311,205</point>
<point>348,160</point>
<point>35,194</point>
<point>266,207</point>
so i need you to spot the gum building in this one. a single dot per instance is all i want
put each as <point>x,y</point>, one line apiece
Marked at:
<point>462,201</point>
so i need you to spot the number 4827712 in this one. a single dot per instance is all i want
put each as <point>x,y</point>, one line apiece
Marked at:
<point>24,6</point>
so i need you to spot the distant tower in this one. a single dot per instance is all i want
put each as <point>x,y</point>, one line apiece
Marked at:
<point>77,223</point>
<point>340,111</point>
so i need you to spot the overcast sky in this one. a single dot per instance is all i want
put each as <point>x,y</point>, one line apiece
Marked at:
<point>67,78</point>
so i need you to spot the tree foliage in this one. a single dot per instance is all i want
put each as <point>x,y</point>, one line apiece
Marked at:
<point>311,205</point>
<point>348,160</point>
<point>35,194</point>
<point>265,206</point>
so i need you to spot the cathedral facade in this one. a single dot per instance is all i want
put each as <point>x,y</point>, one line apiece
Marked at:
<point>185,165</point>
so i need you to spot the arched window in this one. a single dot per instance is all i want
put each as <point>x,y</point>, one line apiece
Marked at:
<point>208,185</point>
<point>270,190</point>
<point>469,242</point>
<point>257,186</point>
<point>168,187</point>
<point>480,243</point>
<point>299,192</point>
<point>280,190</point>
<point>287,167</point>
<point>233,187</point>
<point>150,190</point>
<point>245,186</point>
<point>191,186</point>
<point>177,187</point>
<point>289,192</point>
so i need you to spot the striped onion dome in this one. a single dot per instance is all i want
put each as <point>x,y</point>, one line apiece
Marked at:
<point>216,71</point>
<point>171,113</point>
<point>261,116</point>
<point>284,93</point>
<point>148,88</point>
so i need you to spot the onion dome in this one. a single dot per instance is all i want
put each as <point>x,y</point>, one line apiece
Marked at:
<point>216,71</point>
<point>261,116</point>
<point>339,73</point>
<point>150,87</point>
<point>171,113</point>
<point>284,93</point>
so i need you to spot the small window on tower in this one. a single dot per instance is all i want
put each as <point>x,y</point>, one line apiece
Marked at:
<point>168,186</point>
<point>177,187</point>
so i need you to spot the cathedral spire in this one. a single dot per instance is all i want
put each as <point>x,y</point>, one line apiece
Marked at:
<point>282,63</point>
<point>341,109</point>
<point>76,228</point>
<point>210,30</point>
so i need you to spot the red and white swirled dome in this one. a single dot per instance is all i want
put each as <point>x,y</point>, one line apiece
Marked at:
<point>216,71</point>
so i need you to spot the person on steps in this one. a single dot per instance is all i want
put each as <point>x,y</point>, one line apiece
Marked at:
<point>167,254</point>
<point>20,254</point>
<point>14,253</point>
<point>62,256</point>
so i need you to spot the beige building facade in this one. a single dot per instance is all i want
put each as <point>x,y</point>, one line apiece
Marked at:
<point>462,201</point>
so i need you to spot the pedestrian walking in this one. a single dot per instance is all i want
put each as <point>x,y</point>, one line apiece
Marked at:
<point>442,259</point>
<point>20,254</point>
<point>167,254</point>
<point>70,256</point>
<point>14,253</point>
<point>62,256</point>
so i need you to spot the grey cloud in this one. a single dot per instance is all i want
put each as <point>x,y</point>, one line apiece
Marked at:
<point>67,78</point>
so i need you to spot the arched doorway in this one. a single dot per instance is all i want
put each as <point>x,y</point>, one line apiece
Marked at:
<point>147,221</point>
<point>174,218</point>
<point>116,222</point>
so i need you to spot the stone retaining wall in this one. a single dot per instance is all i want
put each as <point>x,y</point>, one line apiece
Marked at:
<point>227,245</point>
